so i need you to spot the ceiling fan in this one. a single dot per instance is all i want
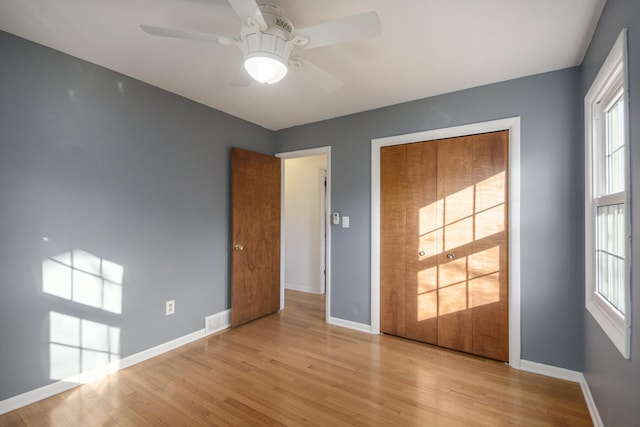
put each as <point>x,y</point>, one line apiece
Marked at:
<point>268,40</point>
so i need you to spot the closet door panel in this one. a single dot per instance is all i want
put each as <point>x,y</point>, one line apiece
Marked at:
<point>488,266</point>
<point>423,242</point>
<point>393,224</point>
<point>455,191</point>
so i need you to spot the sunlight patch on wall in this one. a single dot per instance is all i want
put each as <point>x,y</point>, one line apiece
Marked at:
<point>84,278</point>
<point>79,345</point>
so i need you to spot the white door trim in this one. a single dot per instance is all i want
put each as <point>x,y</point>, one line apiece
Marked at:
<point>513,125</point>
<point>322,177</point>
<point>326,151</point>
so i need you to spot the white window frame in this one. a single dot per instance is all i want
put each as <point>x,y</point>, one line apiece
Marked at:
<point>611,78</point>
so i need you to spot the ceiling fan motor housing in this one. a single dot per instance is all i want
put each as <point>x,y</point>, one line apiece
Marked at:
<point>274,42</point>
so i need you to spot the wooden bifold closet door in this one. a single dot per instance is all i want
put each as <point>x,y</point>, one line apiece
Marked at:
<point>443,237</point>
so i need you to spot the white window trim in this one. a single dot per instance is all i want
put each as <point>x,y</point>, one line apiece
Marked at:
<point>616,326</point>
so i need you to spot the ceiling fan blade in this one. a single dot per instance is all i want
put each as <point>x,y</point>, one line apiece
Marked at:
<point>340,31</point>
<point>248,9</point>
<point>316,75</point>
<point>188,35</point>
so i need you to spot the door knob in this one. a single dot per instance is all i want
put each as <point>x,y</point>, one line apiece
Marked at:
<point>238,247</point>
<point>450,255</point>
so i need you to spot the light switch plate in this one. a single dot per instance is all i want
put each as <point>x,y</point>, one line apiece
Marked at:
<point>345,222</point>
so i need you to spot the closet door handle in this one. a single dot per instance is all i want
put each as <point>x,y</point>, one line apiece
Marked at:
<point>451,255</point>
<point>422,253</point>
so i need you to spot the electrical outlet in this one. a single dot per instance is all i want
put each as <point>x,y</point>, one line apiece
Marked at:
<point>171,307</point>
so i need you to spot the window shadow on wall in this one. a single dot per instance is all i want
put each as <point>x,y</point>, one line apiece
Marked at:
<point>80,346</point>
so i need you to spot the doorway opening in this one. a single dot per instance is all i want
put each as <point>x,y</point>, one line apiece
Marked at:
<point>305,231</point>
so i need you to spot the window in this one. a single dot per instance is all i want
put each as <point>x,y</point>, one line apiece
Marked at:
<point>607,225</point>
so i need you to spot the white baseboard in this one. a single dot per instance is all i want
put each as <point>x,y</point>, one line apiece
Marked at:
<point>301,289</point>
<point>49,390</point>
<point>160,349</point>
<point>24,399</point>
<point>591,404</point>
<point>550,371</point>
<point>349,324</point>
<point>569,375</point>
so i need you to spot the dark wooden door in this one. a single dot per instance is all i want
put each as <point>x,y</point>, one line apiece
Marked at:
<point>255,235</point>
<point>444,263</point>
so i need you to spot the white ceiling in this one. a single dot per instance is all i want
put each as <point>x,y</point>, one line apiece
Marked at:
<point>427,47</point>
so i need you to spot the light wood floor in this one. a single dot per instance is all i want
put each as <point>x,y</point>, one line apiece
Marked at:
<point>293,369</point>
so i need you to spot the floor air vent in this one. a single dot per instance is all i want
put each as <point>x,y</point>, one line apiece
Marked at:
<point>217,322</point>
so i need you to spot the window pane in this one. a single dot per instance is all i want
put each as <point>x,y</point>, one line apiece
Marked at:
<point>610,249</point>
<point>614,148</point>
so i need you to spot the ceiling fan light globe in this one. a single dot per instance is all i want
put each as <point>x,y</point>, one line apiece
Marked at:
<point>264,69</point>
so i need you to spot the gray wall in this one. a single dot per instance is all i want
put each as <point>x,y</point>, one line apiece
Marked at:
<point>97,161</point>
<point>94,160</point>
<point>551,194</point>
<point>614,381</point>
